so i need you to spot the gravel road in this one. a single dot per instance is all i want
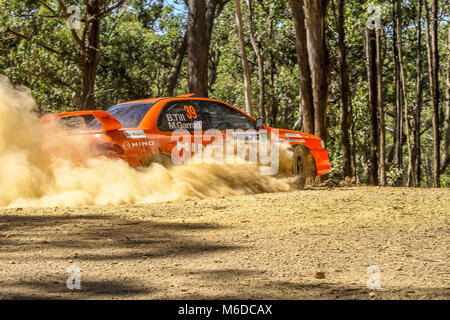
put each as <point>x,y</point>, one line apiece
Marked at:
<point>305,244</point>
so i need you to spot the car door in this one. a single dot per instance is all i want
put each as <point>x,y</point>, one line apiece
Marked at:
<point>233,125</point>
<point>182,115</point>
<point>219,116</point>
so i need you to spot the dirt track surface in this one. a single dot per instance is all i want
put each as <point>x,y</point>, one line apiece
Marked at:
<point>265,246</point>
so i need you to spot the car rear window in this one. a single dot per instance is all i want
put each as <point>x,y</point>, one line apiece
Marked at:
<point>130,115</point>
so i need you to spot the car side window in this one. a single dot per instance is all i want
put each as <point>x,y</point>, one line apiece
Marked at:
<point>180,115</point>
<point>130,115</point>
<point>220,116</point>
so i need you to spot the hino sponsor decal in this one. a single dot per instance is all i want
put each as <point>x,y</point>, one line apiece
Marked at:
<point>127,145</point>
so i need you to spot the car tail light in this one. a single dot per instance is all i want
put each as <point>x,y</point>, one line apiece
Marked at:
<point>106,149</point>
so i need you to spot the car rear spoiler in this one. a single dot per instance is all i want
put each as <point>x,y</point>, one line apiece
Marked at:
<point>107,121</point>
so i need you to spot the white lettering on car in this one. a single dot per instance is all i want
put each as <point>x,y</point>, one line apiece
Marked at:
<point>293,135</point>
<point>196,125</point>
<point>148,143</point>
<point>135,134</point>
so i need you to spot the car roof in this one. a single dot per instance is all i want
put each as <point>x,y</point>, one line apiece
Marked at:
<point>151,100</point>
<point>154,100</point>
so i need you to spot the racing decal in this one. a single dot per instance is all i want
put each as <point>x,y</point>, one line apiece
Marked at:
<point>293,135</point>
<point>172,117</point>
<point>184,121</point>
<point>195,125</point>
<point>252,135</point>
<point>242,135</point>
<point>128,145</point>
<point>190,112</point>
<point>297,140</point>
<point>135,134</point>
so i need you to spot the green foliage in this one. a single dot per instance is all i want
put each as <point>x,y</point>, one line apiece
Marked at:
<point>137,48</point>
<point>139,43</point>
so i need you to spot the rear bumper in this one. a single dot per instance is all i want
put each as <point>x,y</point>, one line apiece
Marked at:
<point>322,161</point>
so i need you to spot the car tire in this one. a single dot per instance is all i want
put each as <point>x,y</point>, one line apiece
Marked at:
<point>303,166</point>
<point>160,158</point>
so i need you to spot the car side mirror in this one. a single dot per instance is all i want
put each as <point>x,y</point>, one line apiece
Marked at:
<point>259,123</point>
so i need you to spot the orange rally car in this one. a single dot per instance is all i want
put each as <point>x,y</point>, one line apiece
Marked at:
<point>140,132</point>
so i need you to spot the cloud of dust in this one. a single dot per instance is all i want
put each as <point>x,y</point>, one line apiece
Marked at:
<point>32,174</point>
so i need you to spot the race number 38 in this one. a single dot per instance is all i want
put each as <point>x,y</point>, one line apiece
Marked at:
<point>190,112</point>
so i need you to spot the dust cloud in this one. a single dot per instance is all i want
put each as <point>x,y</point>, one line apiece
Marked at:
<point>35,173</point>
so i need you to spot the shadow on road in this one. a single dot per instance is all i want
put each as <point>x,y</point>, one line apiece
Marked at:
<point>123,239</point>
<point>39,244</point>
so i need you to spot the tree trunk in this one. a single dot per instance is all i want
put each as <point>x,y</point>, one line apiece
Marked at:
<point>273,104</point>
<point>433,67</point>
<point>417,159</point>
<point>371,54</point>
<point>354,144</point>
<point>176,68</point>
<point>198,47</point>
<point>436,120</point>
<point>398,114</point>
<point>428,172</point>
<point>411,174</point>
<point>306,94</point>
<point>446,154</point>
<point>380,107</point>
<point>90,59</point>
<point>273,70</point>
<point>344,88</point>
<point>272,113</point>
<point>316,12</point>
<point>259,57</point>
<point>213,10</point>
<point>247,81</point>
<point>299,123</point>
<point>214,59</point>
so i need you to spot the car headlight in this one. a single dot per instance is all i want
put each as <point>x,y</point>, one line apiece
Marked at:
<point>322,144</point>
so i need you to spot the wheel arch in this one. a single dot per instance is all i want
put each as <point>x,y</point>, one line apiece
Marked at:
<point>308,160</point>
